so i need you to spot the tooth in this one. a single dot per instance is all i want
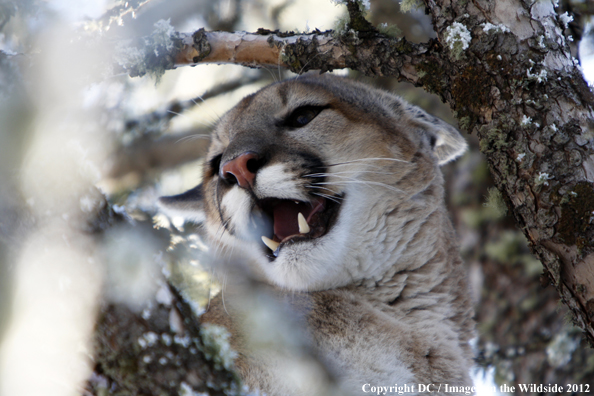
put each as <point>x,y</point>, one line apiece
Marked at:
<point>303,226</point>
<point>270,243</point>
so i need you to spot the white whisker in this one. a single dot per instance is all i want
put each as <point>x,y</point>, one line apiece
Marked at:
<point>323,188</point>
<point>351,178</point>
<point>361,182</point>
<point>351,172</point>
<point>210,109</point>
<point>368,159</point>
<point>192,137</point>
<point>272,74</point>
<point>331,198</point>
<point>224,285</point>
<point>177,114</point>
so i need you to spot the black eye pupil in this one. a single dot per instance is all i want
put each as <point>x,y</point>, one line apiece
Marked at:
<point>303,116</point>
<point>303,119</point>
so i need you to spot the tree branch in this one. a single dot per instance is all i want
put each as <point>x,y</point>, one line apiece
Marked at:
<point>166,152</point>
<point>375,56</point>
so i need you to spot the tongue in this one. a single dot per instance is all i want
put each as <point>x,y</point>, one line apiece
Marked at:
<point>285,216</point>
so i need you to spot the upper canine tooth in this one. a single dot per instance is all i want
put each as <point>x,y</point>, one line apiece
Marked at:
<point>270,243</point>
<point>303,226</point>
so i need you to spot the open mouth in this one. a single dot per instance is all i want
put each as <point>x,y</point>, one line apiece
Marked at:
<point>295,221</point>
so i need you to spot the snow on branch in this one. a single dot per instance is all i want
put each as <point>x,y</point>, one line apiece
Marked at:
<point>374,54</point>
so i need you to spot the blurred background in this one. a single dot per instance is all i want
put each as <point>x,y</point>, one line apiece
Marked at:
<point>85,152</point>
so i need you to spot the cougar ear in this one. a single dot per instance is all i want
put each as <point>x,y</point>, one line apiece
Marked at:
<point>447,142</point>
<point>188,205</point>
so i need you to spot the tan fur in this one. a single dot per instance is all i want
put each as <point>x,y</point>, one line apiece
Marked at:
<point>382,296</point>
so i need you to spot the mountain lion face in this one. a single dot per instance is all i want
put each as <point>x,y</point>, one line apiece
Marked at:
<point>322,182</point>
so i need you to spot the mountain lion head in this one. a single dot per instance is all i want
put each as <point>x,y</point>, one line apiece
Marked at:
<point>321,182</point>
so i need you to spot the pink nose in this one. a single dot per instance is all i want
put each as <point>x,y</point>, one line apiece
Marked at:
<point>241,169</point>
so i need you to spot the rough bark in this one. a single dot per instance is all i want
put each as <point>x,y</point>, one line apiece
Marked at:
<point>506,70</point>
<point>532,112</point>
<point>523,331</point>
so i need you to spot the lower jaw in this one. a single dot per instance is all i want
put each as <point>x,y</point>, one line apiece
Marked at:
<point>291,241</point>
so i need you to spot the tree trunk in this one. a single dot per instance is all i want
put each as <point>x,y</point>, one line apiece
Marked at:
<point>532,111</point>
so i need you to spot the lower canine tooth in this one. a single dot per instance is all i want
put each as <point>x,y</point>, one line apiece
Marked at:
<point>303,226</point>
<point>270,243</point>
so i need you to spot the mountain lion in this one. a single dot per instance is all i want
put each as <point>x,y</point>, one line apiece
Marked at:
<point>329,192</point>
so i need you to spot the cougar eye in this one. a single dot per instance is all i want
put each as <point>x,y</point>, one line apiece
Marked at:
<point>215,164</point>
<point>303,115</point>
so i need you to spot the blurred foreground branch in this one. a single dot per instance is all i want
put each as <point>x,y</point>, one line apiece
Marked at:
<point>161,351</point>
<point>168,151</point>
